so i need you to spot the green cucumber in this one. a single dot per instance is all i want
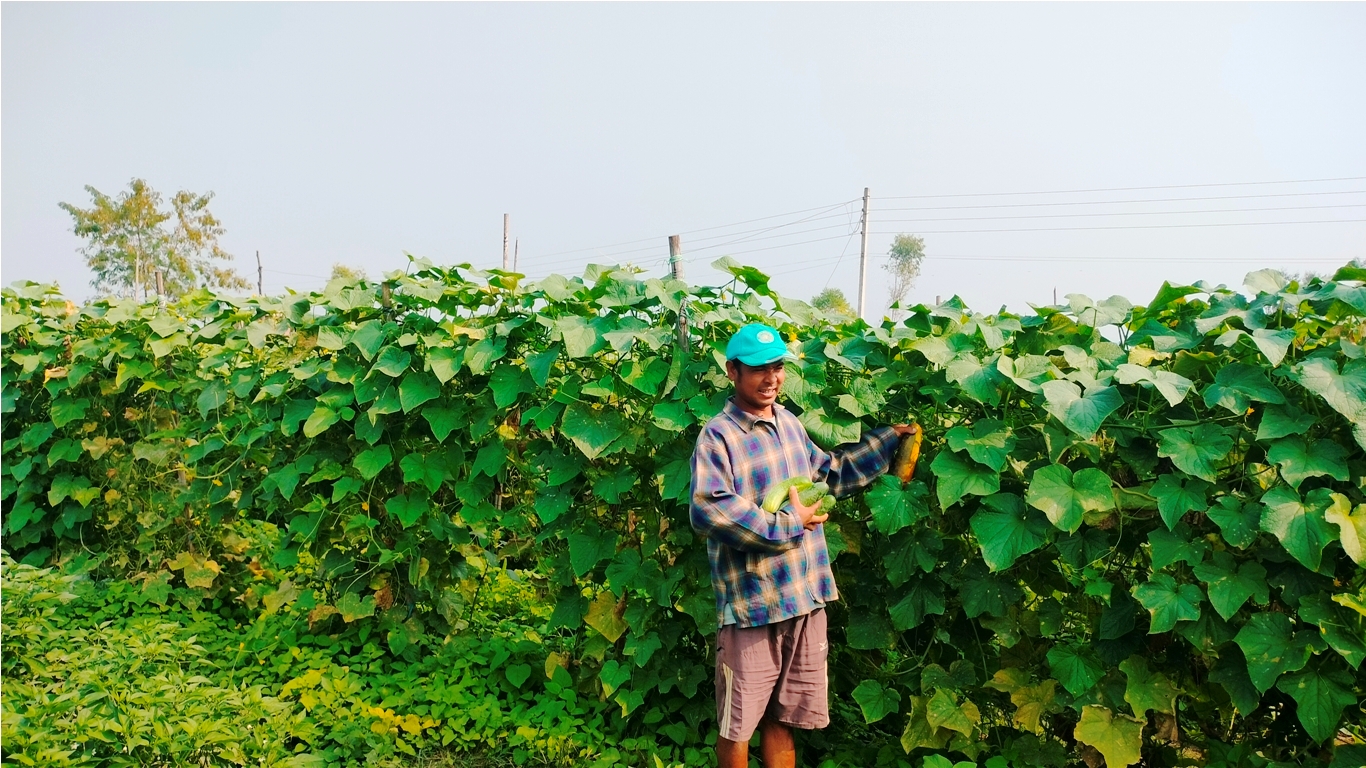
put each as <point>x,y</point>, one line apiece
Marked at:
<point>777,495</point>
<point>827,504</point>
<point>813,494</point>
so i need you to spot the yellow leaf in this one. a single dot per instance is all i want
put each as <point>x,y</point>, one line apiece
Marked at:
<point>1353,529</point>
<point>1119,738</point>
<point>602,616</point>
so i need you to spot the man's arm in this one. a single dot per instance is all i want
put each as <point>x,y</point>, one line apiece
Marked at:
<point>849,470</point>
<point>718,512</point>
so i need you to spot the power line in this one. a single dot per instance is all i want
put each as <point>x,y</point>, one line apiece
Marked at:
<point>1125,189</point>
<point>1123,202</point>
<point>1129,213</point>
<point>1135,226</point>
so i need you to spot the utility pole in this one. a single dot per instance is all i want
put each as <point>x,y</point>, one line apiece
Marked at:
<point>506,264</point>
<point>863,255</point>
<point>516,246</point>
<point>260,276</point>
<point>161,287</point>
<point>676,270</point>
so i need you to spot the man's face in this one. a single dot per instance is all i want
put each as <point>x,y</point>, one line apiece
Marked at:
<point>756,386</point>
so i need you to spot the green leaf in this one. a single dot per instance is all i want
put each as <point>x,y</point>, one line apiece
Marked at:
<point>372,461</point>
<point>1238,522</point>
<point>428,469</point>
<point>507,383</point>
<point>65,485</point>
<point>1172,386</point>
<point>540,364</point>
<point>1175,546</point>
<point>443,420</point>
<point>593,431</point>
<point>352,606</point>
<point>1082,415</point>
<point>490,460</point>
<point>1177,496</point>
<point>581,338</point>
<point>988,442</point>
<point>1007,531</point>
<point>321,418</point>
<point>589,547</point>
<point>674,416</point>
<point>1302,525</point>
<point>213,397</point>
<point>416,389</point>
<point>830,430</point>
<point>944,712</point>
<point>1320,694</point>
<point>1344,392</point>
<point>979,382</point>
<point>875,701</point>
<point>1283,420</point>
<point>958,477</point>
<point>489,350</point>
<point>982,593</point>
<point>1238,384</point>
<point>408,509</point>
<point>1271,648</point>
<point>66,410</point>
<point>332,338</point>
<point>1273,344</point>
<point>1168,602</point>
<point>863,398</point>
<point>1118,738</point>
<point>1230,671</point>
<point>895,508</point>
<point>1064,497</point>
<point>1196,450</point>
<point>1344,631</point>
<point>368,338</point>
<point>924,597</point>
<point>1300,460</point>
<point>1351,530</point>
<point>392,361</point>
<point>445,362</point>
<point>1230,585</point>
<point>1146,690</point>
<point>1075,666</point>
<point>869,630</point>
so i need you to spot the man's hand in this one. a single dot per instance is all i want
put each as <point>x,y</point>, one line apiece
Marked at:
<point>903,430</point>
<point>807,515</point>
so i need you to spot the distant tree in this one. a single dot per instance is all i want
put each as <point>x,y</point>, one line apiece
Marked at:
<point>351,274</point>
<point>903,261</point>
<point>832,300</point>
<point>129,238</point>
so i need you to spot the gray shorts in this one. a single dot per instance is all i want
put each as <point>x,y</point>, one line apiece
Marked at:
<point>777,670</point>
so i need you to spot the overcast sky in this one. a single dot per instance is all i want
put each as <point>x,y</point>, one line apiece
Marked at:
<point>353,133</point>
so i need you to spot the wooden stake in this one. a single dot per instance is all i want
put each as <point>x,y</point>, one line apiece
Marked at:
<point>516,246</point>
<point>260,276</point>
<point>676,270</point>
<point>506,265</point>
<point>161,288</point>
<point>863,254</point>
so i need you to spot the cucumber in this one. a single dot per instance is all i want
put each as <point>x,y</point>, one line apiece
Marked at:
<point>813,494</point>
<point>777,495</point>
<point>827,504</point>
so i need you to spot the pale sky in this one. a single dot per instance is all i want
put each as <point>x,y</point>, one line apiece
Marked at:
<point>355,132</point>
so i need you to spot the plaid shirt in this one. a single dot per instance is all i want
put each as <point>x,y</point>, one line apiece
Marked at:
<point>766,566</point>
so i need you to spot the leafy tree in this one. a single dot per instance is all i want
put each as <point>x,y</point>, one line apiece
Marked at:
<point>903,261</point>
<point>350,274</point>
<point>132,237</point>
<point>832,300</point>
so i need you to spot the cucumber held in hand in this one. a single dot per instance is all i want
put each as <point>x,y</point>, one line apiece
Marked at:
<point>808,493</point>
<point>907,454</point>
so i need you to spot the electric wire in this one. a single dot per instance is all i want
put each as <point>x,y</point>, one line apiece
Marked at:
<point>1132,226</point>
<point>1122,202</point>
<point>1125,189</point>
<point>1126,213</point>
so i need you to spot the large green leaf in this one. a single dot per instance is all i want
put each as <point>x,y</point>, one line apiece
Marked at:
<point>1272,648</point>
<point>1081,415</point>
<point>923,597</point>
<point>1238,522</point>
<point>318,422</point>
<point>1196,450</point>
<point>1177,495</point>
<point>988,442</point>
<point>957,477</point>
<point>1280,421</point>
<point>1300,460</point>
<point>372,461</point>
<point>1343,630</point>
<point>1230,671</point>
<point>581,338</point>
<point>1238,384</point>
<point>875,701</point>
<point>392,361</point>
<point>1172,386</point>
<point>1302,525</point>
<point>1175,546</point>
<point>1117,737</point>
<point>894,507</point>
<point>406,508</point>
<point>830,430</point>
<point>1351,525</point>
<point>416,389</point>
<point>1345,391</point>
<point>1006,530</point>
<point>589,547</point>
<point>507,383</point>
<point>1075,666</point>
<point>1065,497</point>
<point>1320,694</point>
<point>984,593</point>
<point>1168,602</point>
<point>1146,690</point>
<point>591,429</point>
<point>1230,585</point>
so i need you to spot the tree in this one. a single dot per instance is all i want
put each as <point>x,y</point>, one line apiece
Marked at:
<point>350,274</point>
<point>131,237</point>
<point>903,261</point>
<point>832,300</point>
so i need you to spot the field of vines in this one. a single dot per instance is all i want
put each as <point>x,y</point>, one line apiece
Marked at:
<point>447,513</point>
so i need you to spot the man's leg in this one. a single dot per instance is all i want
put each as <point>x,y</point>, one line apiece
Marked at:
<point>732,754</point>
<point>776,744</point>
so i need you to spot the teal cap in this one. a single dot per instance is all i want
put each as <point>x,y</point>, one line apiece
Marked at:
<point>757,344</point>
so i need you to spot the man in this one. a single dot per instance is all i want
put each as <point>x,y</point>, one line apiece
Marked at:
<point>771,571</point>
